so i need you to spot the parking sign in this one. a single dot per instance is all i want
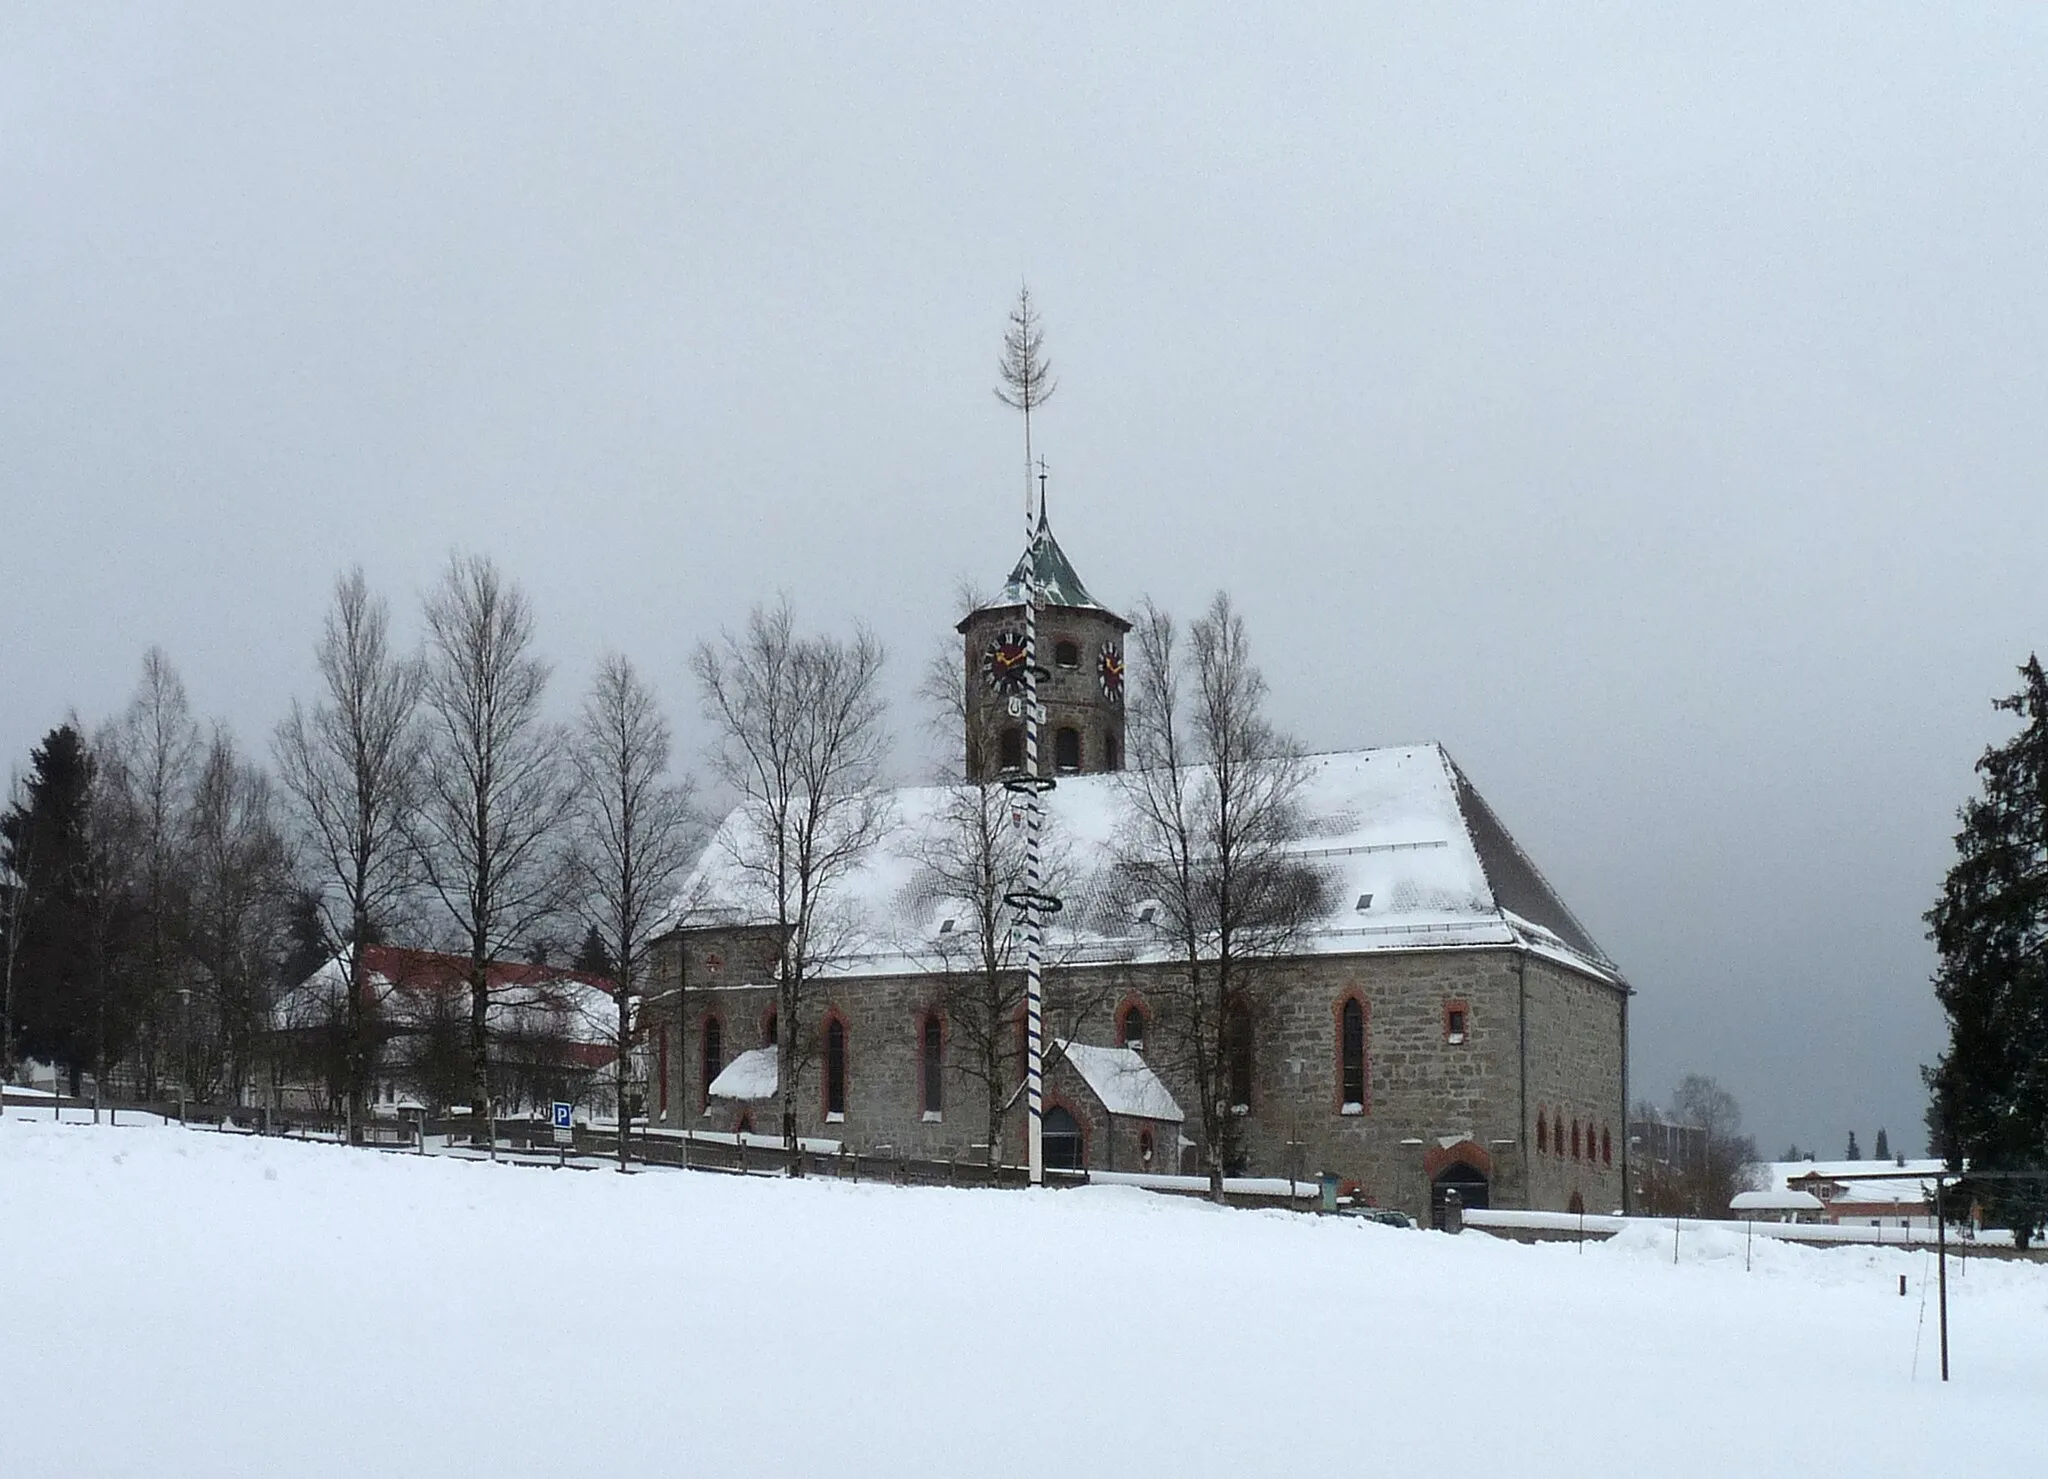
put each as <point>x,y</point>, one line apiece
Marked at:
<point>564,1122</point>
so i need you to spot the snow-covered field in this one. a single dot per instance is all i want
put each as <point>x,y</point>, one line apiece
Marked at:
<point>178,1303</point>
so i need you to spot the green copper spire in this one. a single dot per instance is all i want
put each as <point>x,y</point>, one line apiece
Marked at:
<point>1058,585</point>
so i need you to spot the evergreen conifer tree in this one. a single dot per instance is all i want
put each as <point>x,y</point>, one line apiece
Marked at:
<point>1853,1154</point>
<point>1990,928</point>
<point>1883,1149</point>
<point>65,1008</point>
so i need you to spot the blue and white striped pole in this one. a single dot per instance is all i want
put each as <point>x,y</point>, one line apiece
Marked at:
<point>1034,812</point>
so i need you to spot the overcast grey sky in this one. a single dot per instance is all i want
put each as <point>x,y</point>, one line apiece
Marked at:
<point>1645,403</point>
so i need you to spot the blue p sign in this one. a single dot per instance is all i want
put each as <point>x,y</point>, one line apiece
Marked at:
<point>562,1113</point>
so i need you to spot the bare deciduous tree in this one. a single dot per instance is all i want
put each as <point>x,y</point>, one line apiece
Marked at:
<point>800,720</point>
<point>1728,1157</point>
<point>238,920</point>
<point>635,832</point>
<point>148,760</point>
<point>1213,792</point>
<point>497,790</point>
<point>350,764</point>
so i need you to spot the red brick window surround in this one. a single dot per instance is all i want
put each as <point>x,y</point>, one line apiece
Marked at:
<point>1606,1147</point>
<point>1457,1022</point>
<point>1575,1139</point>
<point>1131,1023</point>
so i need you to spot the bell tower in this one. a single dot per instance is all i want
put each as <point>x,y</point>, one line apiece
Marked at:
<point>1080,680</point>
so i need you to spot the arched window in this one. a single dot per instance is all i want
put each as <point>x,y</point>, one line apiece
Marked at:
<point>1066,749</point>
<point>1542,1133</point>
<point>1012,749</point>
<point>1237,1049</point>
<point>1575,1139</point>
<point>934,1065</point>
<point>1112,751</point>
<point>1061,1134</point>
<point>661,1069</point>
<point>835,1067</point>
<point>768,1029</point>
<point>1351,1049</point>
<point>714,1056</point>
<point>1145,1149</point>
<point>1606,1147</point>
<point>1066,653</point>
<point>1130,1027</point>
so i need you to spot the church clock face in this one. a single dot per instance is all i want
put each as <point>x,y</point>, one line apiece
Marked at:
<point>1002,662</point>
<point>1110,665</point>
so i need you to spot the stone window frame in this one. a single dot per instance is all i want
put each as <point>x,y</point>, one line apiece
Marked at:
<point>832,1018</point>
<point>1338,1102</point>
<point>1060,763</point>
<point>1061,647</point>
<point>1463,1010</point>
<point>1010,748</point>
<point>926,1113</point>
<point>1112,750</point>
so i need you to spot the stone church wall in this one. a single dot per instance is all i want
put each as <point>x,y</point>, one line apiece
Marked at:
<point>1424,1089</point>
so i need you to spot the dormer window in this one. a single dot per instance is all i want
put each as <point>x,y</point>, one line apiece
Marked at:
<point>1148,912</point>
<point>1364,902</point>
<point>946,925</point>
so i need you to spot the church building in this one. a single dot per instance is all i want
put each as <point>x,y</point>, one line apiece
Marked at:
<point>1444,1023</point>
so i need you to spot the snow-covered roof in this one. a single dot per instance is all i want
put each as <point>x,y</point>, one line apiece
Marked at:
<point>1412,855</point>
<point>1123,1081</point>
<point>1775,1201</point>
<point>1058,582</point>
<point>751,1077</point>
<point>1910,1186</point>
<point>415,988</point>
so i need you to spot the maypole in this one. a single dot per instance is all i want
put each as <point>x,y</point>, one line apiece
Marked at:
<point>1028,383</point>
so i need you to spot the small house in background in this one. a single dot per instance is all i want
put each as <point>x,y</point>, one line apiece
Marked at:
<point>1903,1199</point>
<point>1778,1206</point>
<point>552,1031</point>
